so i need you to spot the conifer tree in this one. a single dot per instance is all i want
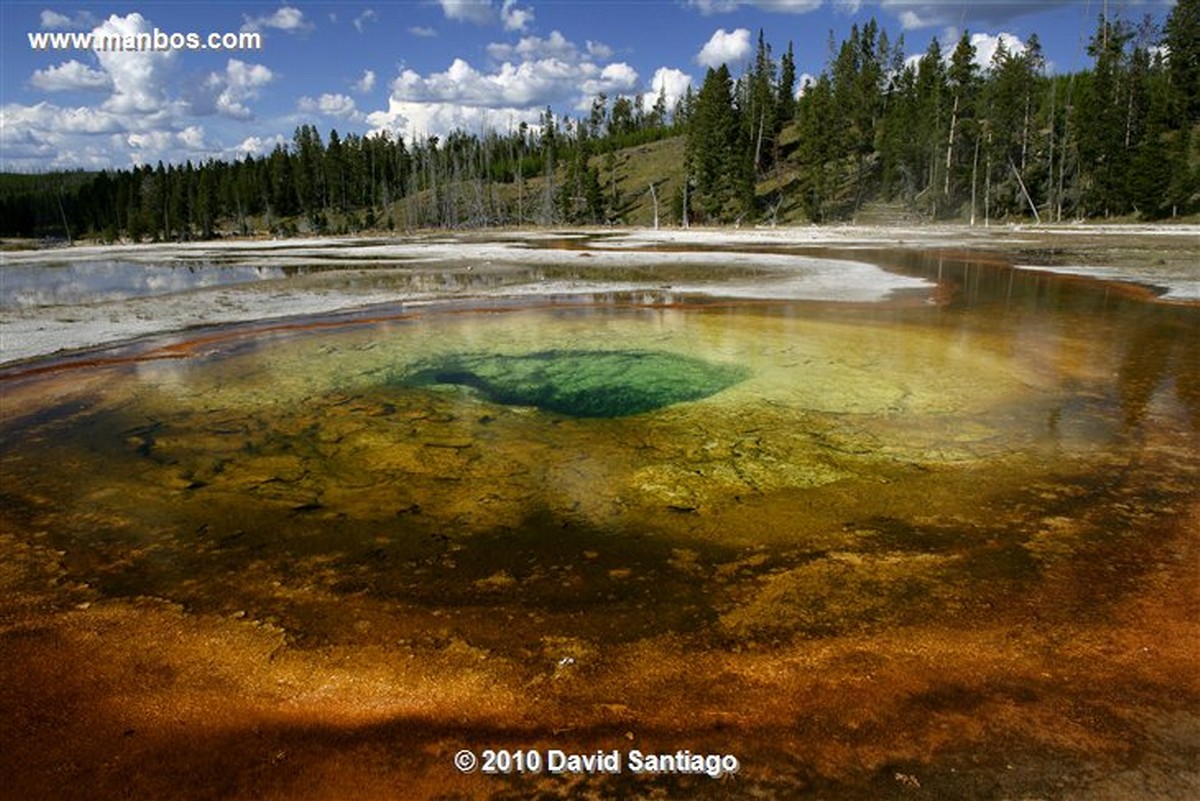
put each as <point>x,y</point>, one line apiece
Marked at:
<point>932,115</point>
<point>759,112</point>
<point>712,139</point>
<point>786,92</point>
<point>963,85</point>
<point>1182,41</point>
<point>1102,140</point>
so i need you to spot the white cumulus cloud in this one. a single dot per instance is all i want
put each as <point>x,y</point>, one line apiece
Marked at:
<point>240,82</point>
<point>360,22</point>
<point>515,19</point>
<point>71,75</point>
<point>777,6</point>
<point>418,120</point>
<point>986,46</point>
<point>22,146</point>
<point>538,82</point>
<point>192,137</point>
<point>258,146</point>
<point>725,47</point>
<point>153,141</point>
<point>534,73</point>
<point>82,21</point>
<point>145,115</point>
<point>366,83</point>
<point>672,83</point>
<point>48,119</point>
<point>598,50</point>
<point>332,105</point>
<point>535,47</point>
<point>479,12</point>
<point>53,20</point>
<point>967,13</point>
<point>485,12</point>
<point>147,147</point>
<point>139,79</point>
<point>286,18</point>
<point>613,80</point>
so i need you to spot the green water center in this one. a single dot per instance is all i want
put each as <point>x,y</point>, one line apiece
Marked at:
<point>581,383</point>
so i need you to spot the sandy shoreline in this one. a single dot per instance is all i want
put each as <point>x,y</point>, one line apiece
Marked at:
<point>338,275</point>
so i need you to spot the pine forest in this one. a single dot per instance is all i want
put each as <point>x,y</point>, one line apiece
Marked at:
<point>930,136</point>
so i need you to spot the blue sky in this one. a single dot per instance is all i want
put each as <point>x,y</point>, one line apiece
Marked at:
<point>424,67</point>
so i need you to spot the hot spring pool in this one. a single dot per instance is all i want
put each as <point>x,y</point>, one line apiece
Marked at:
<point>815,535</point>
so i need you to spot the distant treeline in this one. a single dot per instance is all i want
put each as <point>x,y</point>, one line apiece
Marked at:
<point>346,184</point>
<point>342,185</point>
<point>942,136</point>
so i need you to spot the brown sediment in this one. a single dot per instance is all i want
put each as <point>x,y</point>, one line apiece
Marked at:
<point>141,698</point>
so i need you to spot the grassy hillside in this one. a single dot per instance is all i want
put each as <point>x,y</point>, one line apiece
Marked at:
<point>630,171</point>
<point>633,170</point>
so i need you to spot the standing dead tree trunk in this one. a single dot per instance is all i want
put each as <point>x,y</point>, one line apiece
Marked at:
<point>1025,192</point>
<point>974,180</point>
<point>63,212</point>
<point>950,144</point>
<point>686,180</point>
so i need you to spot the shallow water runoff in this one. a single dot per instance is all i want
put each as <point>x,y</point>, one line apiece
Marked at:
<point>616,544</point>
